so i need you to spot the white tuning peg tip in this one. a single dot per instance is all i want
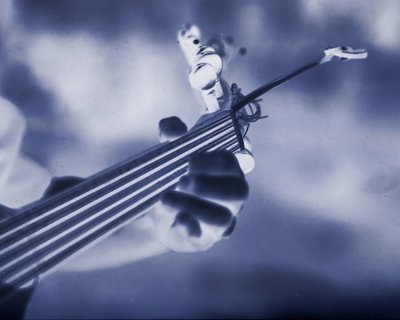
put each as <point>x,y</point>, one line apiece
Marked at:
<point>344,53</point>
<point>203,77</point>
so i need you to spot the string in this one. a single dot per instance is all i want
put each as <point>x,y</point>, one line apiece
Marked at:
<point>271,85</point>
<point>74,221</point>
<point>128,216</point>
<point>90,213</point>
<point>45,221</point>
<point>142,194</point>
<point>102,179</point>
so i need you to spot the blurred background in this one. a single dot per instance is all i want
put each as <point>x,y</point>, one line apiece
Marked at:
<point>319,235</point>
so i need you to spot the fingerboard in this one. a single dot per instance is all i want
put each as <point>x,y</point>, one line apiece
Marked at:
<point>49,231</point>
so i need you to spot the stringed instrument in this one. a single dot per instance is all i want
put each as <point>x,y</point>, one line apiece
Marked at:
<point>43,234</point>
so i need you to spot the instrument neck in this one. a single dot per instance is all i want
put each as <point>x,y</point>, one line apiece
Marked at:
<point>51,230</point>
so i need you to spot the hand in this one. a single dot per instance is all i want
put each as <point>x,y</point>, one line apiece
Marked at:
<point>199,213</point>
<point>203,208</point>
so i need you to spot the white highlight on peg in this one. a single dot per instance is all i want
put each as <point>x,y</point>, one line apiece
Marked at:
<point>245,157</point>
<point>344,53</point>
<point>204,78</point>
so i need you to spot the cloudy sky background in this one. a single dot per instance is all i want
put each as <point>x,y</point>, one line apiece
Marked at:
<point>320,232</point>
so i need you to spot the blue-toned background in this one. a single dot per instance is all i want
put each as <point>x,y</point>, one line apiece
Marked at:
<point>319,235</point>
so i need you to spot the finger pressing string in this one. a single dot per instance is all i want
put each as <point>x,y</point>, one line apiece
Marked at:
<point>203,210</point>
<point>222,188</point>
<point>215,163</point>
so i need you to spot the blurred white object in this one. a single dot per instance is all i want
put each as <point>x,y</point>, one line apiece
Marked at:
<point>207,54</point>
<point>21,179</point>
<point>204,78</point>
<point>205,70</point>
<point>245,157</point>
<point>205,66</point>
<point>344,53</point>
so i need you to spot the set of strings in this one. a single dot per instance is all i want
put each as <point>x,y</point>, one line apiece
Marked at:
<point>38,239</point>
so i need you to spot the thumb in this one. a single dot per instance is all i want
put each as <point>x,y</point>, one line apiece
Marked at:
<point>245,157</point>
<point>171,128</point>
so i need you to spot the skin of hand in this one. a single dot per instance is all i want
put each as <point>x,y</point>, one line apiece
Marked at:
<point>199,213</point>
<point>202,210</point>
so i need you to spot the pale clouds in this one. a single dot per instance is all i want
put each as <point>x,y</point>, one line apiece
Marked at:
<point>380,19</point>
<point>327,164</point>
<point>111,92</point>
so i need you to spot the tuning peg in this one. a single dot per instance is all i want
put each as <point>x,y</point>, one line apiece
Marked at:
<point>207,54</point>
<point>205,66</point>
<point>204,78</point>
<point>344,53</point>
<point>201,76</point>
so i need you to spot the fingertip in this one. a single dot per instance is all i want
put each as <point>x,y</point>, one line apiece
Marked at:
<point>246,161</point>
<point>59,184</point>
<point>171,128</point>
